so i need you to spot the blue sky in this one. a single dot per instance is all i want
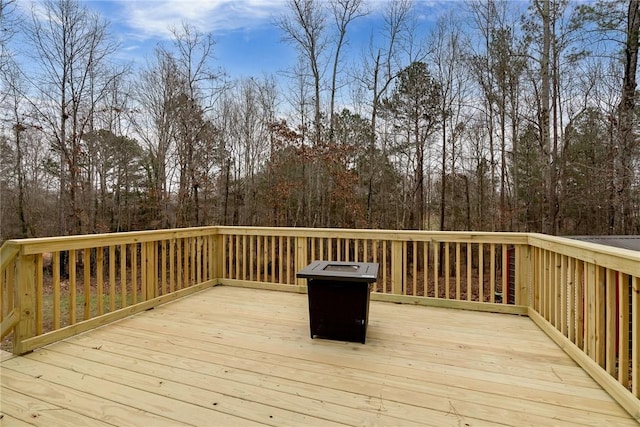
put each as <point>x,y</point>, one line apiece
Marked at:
<point>248,43</point>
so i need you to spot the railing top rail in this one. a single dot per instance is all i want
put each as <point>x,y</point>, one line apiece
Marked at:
<point>51,244</point>
<point>403,235</point>
<point>623,260</point>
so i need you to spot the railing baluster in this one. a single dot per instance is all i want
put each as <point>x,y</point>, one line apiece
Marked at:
<point>635,336</point>
<point>415,268</point>
<point>179,263</point>
<point>623,305</point>
<point>571,299</point>
<point>72,287</point>
<point>4,294</point>
<point>365,250</point>
<point>55,273</point>
<point>265,259</point>
<point>197,259</point>
<point>280,259</point>
<point>480,272</point>
<point>252,256</point>
<point>554,293</point>
<point>458,262</point>
<point>600,315</point>
<point>112,278</point>
<point>312,244</point>
<point>580,279</point>
<point>425,271</point>
<point>123,276</point>
<point>590,320</point>
<point>504,269</point>
<point>384,266</point>
<point>436,283</point>
<point>258,258</point>
<point>100,279</point>
<point>86,281</point>
<point>399,284</point>
<point>237,257</point>
<point>447,271</point>
<point>289,261</point>
<point>192,261</point>
<point>273,259</point>
<point>492,273</point>
<point>39,297</point>
<point>145,254</point>
<point>134,274</point>
<point>610,322</point>
<point>548,286</point>
<point>563,295</point>
<point>469,270</point>
<point>163,273</point>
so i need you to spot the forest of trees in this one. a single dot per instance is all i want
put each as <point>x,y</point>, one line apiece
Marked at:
<point>507,116</point>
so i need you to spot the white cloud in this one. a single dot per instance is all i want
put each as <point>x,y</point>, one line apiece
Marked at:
<point>153,19</point>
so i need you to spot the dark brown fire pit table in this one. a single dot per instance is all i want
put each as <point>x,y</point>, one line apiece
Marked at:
<point>338,294</point>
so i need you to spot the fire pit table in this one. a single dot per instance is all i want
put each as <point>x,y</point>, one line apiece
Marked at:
<point>338,295</point>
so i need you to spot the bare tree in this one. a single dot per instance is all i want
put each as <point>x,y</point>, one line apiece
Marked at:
<point>157,86</point>
<point>18,126</point>
<point>344,12</point>
<point>71,47</point>
<point>8,26</point>
<point>381,67</point>
<point>628,140</point>
<point>447,56</point>
<point>194,131</point>
<point>304,27</point>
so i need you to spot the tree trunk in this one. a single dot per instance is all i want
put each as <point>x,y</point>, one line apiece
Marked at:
<point>626,119</point>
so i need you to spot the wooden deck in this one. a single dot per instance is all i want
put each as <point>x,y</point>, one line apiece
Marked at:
<point>231,356</point>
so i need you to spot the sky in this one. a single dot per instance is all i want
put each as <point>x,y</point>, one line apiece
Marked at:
<point>248,43</point>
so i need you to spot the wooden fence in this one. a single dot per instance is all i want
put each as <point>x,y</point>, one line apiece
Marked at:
<point>585,296</point>
<point>62,286</point>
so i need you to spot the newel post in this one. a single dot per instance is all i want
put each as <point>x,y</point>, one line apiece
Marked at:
<point>216,256</point>
<point>25,301</point>
<point>397,266</point>
<point>524,275</point>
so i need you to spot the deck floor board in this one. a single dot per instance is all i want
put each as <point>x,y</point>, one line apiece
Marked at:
<point>235,356</point>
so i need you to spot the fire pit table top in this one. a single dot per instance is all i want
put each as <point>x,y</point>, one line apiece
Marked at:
<point>341,270</point>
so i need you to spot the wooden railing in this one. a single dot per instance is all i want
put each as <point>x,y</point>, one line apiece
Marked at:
<point>455,266</point>
<point>62,286</point>
<point>585,296</point>
<point>9,315</point>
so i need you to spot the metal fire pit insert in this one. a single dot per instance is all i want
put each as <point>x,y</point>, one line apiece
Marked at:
<point>339,298</point>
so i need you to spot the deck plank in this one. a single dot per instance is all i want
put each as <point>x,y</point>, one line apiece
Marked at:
<point>83,402</point>
<point>30,411</point>
<point>236,356</point>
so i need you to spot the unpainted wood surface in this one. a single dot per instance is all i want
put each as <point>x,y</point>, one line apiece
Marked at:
<point>234,356</point>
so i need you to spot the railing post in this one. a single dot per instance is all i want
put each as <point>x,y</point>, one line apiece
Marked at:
<point>524,268</point>
<point>301,257</point>
<point>25,301</point>
<point>217,256</point>
<point>397,286</point>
